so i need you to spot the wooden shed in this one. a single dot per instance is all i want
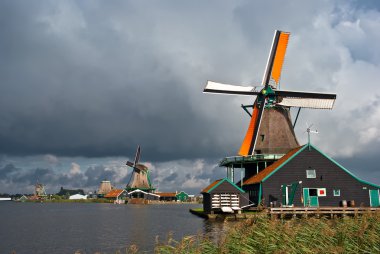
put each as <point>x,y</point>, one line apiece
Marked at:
<point>223,196</point>
<point>307,177</point>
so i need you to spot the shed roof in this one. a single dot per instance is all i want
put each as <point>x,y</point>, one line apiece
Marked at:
<point>265,172</point>
<point>114,193</point>
<point>215,184</point>
<point>211,186</point>
<point>167,194</point>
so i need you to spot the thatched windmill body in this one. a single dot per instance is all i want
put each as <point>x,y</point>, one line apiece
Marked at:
<point>270,132</point>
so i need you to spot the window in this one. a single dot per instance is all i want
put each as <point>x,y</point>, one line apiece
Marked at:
<point>310,173</point>
<point>336,192</point>
<point>313,192</point>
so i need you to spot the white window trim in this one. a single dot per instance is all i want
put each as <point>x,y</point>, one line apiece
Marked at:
<point>335,192</point>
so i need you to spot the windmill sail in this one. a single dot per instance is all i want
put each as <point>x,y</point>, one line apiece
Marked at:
<point>246,146</point>
<point>272,71</point>
<point>276,58</point>
<point>214,87</point>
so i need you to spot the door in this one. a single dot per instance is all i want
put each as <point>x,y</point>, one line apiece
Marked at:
<point>288,193</point>
<point>374,198</point>
<point>310,197</point>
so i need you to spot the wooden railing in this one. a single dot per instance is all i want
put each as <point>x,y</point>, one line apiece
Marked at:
<point>332,211</point>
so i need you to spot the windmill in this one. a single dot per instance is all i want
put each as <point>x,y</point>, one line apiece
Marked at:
<point>140,179</point>
<point>270,130</point>
<point>39,190</point>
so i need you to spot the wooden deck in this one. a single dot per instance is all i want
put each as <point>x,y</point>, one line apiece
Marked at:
<point>282,212</point>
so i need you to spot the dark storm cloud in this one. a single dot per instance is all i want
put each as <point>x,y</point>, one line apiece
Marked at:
<point>95,79</point>
<point>83,81</point>
<point>8,170</point>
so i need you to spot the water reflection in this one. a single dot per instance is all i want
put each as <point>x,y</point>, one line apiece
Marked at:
<point>64,228</point>
<point>217,230</point>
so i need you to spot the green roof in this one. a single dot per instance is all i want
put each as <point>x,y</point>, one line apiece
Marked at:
<point>219,182</point>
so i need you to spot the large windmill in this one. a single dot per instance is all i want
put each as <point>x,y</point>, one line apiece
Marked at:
<point>140,179</point>
<point>270,133</point>
<point>270,130</point>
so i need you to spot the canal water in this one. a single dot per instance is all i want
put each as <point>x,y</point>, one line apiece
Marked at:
<point>106,228</point>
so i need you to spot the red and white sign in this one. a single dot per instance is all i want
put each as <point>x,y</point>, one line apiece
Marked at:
<point>322,192</point>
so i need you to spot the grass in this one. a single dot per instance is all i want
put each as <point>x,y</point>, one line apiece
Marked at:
<point>261,235</point>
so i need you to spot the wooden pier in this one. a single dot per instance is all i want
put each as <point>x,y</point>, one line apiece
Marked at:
<point>331,212</point>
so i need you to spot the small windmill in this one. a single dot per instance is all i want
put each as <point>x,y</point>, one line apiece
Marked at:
<point>272,105</point>
<point>39,190</point>
<point>140,178</point>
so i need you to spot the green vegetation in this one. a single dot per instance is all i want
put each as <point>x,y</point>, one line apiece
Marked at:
<point>199,210</point>
<point>312,235</point>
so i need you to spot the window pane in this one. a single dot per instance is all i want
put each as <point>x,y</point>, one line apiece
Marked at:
<point>313,192</point>
<point>310,173</point>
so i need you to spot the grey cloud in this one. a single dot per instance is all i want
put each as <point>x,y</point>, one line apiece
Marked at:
<point>95,80</point>
<point>91,90</point>
<point>171,177</point>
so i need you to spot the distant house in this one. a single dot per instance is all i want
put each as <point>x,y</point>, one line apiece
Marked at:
<point>78,196</point>
<point>223,196</point>
<point>305,176</point>
<point>167,196</point>
<point>68,192</point>
<point>182,196</point>
<point>23,198</point>
<point>118,196</point>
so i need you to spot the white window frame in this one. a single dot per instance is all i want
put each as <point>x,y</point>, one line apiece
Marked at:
<point>336,192</point>
<point>308,173</point>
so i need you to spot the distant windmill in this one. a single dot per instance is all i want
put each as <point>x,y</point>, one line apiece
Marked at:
<point>39,190</point>
<point>140,175</point>
<point>270,130</point>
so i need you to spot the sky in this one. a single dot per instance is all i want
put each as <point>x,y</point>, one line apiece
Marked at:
<point>83,83</point>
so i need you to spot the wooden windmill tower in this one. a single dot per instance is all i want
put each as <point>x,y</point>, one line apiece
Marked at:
<point>140,179</point>
<point>270,132</point>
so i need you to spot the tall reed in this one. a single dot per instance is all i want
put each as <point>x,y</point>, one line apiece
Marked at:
<point>307,235</point>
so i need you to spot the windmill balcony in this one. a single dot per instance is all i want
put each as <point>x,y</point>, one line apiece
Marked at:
<point>251,158</point>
